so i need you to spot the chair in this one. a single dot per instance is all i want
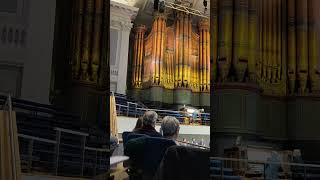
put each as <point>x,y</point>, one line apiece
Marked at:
<point>155,149</point>
<point>184,163</point>
<point>125,135</point>
<point>146,154</point>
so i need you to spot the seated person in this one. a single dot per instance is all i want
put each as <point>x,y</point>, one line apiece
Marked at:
<point>113,143</point>
<point>170,127</point>
<point>148,124</point>
<point>138,124</point>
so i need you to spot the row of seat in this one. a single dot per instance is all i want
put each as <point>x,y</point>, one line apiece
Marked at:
<point>217,171</point>
<point>40,120</point>
<point>149,156</point>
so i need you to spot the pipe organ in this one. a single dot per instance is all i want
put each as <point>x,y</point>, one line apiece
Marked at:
<point>172,57</point>
<point>271,43</point>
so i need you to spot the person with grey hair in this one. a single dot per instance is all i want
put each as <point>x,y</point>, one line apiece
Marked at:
<point>170,127</point>
<point>149,120</point>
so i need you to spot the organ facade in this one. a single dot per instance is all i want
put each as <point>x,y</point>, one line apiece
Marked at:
<point>270,43</point>
<point>171,64</point>
<point>265,71</point>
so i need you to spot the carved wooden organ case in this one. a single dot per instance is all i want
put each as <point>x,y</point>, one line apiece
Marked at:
<point>172,56</point>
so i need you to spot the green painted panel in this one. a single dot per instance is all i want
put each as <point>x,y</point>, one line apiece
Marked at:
<point>182,96</point>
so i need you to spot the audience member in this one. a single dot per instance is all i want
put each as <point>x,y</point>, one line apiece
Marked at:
<point>139,124</point>
<point>113,143</point>
<point>170,127</point>
<point>149,123</point>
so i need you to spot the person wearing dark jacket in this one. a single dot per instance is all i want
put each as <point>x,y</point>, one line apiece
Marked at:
<point>149,123</point>
<point>139,124</point>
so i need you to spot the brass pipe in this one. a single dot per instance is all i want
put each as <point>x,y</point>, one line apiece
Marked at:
<point>78,39</point>
<point>96,42</point>
<point>214,35</point>
<point>269,40</point>
<point>185,49</point>
<point>134,64</point>
<point>225,36</point>
<point>176,50</point>
<point>302,43</point>
<point>261,39</point>
<point>284,40</point>
<point>158,41</point>
<point>292,44</point>
<point>274,37</point>
<point>201,59</point>
<point>181,50</point>
<point>279,68</point>
<point>264,50</point>
<point>253,38</point>
<point>87,40</point>
<point>204,60</point>
<point>240,39</point>
<point>313,44</point>
<point>190,46</point>
<point>161,48</point>
<point>208,56</point>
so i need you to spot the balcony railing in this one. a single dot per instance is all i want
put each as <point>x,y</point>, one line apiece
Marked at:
<point>132,110</point>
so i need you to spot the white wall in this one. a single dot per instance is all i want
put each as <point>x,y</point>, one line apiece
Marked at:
<point>121,16</point>
<point>26,56</point>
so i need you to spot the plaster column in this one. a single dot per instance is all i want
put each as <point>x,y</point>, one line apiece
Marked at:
<point>121,16</point>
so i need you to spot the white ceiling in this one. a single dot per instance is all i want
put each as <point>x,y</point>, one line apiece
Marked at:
<point>146,8</point>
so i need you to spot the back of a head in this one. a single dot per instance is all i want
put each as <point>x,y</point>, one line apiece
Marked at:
<point>150,118</point>
<point>170,126</point>
<point>139,124</point>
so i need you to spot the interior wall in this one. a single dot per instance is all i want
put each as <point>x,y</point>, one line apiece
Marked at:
<point>26,28</point>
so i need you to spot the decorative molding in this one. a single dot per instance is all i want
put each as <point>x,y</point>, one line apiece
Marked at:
<point>122,15</point>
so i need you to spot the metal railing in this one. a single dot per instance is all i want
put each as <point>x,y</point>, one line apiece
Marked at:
<point>266,170</point>
<point>183,143</point>
<point>58,157</point>
<point>132,110</point>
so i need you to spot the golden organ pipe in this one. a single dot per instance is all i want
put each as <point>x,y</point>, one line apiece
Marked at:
<point>313,44</point>
<point>141,54</point>
<point>291,44</point>
<point>185,49</point>
<point>78,39</point>
<point>158,41</point>
<point>205,55</point>
<point>181,49</point>
<point>208,59</point>
<point>274,41</point>
<point>302,43</point>
<point>253,36</point>
<point>214,34</point>
<point>189,47</point>
<point>201,62</point>
<point>240,39</point>
<point>134,63</point>
<point>225,35</point>
<point>97,36</point>
<point>279,39</point>
<point>176,50</point>
<point>269,40</point>
<point>284,40</point>
<point>87,39</point>
<point>161,59</point>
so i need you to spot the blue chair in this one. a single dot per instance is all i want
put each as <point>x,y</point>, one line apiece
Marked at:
<point>155,149</point>
<point>146,153</point>
<point>125,135</point>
